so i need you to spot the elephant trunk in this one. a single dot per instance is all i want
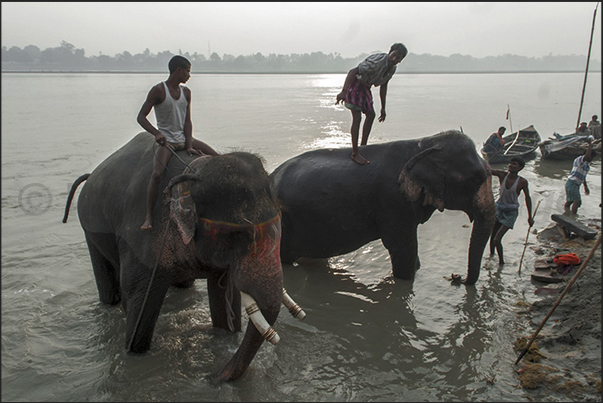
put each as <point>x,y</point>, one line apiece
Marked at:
<point>482,227</point>
<point>259,277</point>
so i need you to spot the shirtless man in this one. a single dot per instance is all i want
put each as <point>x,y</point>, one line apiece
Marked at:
<point>172,103</point>
<point>507,205</point>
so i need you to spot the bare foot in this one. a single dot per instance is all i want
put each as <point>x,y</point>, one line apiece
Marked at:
<point>148,225</point>
<point>359,159</point>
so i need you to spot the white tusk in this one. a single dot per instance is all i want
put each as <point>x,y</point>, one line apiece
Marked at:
<point>254,313</point>
<point>293,308</point>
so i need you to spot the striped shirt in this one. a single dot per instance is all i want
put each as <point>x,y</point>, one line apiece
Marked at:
<point>375,70</point>
<point>579,170</point>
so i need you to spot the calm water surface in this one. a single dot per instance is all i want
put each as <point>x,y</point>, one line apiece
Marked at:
<point>367,336</point>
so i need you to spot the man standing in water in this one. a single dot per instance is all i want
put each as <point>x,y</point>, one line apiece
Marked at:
<point>172,103</point>
<point>377,70</point>
<point>576,178</point>
<point>507,205</point>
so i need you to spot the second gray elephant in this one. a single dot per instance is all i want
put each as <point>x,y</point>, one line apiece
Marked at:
<point>332,206</point>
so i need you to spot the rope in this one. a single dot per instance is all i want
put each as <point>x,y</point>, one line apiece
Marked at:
<point>228,297</point>
<point>146,296</point>
<point>174,153</point>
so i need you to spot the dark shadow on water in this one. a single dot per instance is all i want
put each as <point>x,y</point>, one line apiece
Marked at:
<point>553,169</point>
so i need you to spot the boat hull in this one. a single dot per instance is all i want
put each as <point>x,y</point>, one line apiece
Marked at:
<point>524,146</point>
<point>567,149</point>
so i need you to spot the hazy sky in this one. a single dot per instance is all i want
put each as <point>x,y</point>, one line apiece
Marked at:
<point>350,29</point>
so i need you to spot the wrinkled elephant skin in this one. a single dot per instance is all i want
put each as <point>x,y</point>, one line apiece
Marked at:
<point>218,222</point>
<point>332,206</point>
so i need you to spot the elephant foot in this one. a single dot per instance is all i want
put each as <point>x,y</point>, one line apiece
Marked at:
<point>359,159</point>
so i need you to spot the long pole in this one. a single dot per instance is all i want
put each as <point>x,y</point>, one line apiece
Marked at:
<point>511,128</point>
<point>528,234</point>
<point>592,31</point>
<point>590,255</point>
<point>509,116</point>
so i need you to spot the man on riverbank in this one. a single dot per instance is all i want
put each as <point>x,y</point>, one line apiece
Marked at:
<point>507,205</point>
<point>172,104</point>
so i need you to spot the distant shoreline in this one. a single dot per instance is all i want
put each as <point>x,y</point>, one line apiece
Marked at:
<point>282,72</point>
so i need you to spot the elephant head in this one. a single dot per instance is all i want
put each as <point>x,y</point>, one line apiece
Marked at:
<point>447,173</point>
<point>227,214</point>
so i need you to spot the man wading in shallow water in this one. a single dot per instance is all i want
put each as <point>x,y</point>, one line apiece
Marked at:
<point>507,205</point>
<point>377,70</point>
<point>172,103</point>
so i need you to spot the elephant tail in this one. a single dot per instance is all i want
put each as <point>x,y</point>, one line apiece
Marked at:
<point>77,182</point>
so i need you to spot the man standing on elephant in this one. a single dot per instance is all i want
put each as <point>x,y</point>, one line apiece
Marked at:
<point>377,70</point>
<point>172,103</point>
<point>507,205</point>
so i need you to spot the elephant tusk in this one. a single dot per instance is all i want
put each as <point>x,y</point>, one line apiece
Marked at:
<point>260,323</point>
<point>293,308</point>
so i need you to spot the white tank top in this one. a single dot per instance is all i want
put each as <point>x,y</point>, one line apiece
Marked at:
<point>170,115</point>
<point>508,197</point>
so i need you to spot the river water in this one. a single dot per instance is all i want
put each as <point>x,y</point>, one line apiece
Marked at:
<point>366,336</point>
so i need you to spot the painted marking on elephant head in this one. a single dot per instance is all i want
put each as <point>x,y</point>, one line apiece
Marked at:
<point>266,235</point>
<point>182,211</point>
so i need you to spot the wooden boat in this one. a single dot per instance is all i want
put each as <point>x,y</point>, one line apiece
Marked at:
<point>567,147</point>
<point>523,145</point>
<point>573,145</point>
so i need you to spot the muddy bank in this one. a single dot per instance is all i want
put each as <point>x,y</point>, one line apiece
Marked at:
<point>564,362</point>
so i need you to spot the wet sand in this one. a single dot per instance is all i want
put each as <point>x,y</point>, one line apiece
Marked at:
<point>566,365</point>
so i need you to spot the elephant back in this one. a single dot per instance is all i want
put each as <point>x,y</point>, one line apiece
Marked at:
<point>118,185</point>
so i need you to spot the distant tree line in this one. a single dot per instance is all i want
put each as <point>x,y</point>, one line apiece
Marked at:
<point>67,57</point>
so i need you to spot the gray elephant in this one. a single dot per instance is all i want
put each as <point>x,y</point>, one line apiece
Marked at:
<point>332,206</point>
<point>220,222</point>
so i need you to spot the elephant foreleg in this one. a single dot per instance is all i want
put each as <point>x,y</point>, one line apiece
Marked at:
<point>224,302</point>
<point>402,244</point>
<point>142,309</point>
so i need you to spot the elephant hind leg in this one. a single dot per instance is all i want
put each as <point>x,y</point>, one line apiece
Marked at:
<point>106,275</point>
<point>224,302</point>
<point>403,249</point>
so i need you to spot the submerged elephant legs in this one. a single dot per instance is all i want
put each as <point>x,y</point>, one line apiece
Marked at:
<point>402,244</point>
<point>106,274</point>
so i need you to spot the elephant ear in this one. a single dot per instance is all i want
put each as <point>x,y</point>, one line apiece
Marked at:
<point>422,177</point>
<point>182,210</point>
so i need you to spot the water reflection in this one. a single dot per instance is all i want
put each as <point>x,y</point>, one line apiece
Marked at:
<point>331,137</point>
<point>552,168</point>
<point>373,339</point>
